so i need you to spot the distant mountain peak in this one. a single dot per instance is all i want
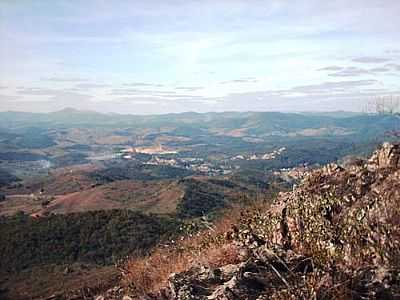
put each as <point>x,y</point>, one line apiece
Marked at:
<point>71,110</point>
<point>68,110</point>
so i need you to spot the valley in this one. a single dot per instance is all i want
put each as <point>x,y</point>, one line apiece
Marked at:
<point>86,188</point>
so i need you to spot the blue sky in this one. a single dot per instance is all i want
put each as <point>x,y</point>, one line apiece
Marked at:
<point>152,56</point>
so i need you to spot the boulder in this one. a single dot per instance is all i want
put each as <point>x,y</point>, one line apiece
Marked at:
<point>386,157</point>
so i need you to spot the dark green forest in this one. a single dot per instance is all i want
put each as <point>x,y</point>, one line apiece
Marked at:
<point>99,237</point>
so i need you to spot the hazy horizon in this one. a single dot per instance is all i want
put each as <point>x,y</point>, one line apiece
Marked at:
<point>77,110</point>
<point>163,57</point>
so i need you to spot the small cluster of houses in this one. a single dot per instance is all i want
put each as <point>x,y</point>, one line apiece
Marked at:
<point>267,156</point>
<point>194,164</point>
<point>128,153</point>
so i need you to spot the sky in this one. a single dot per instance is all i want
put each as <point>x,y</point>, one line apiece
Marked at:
<point>163,56</point>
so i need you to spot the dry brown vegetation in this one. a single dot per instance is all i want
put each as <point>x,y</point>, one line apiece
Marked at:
<point>159,197</point>
<point>59,282</point>
<point>60,181</point>
<point>71,190</point>
<point>209,247</point>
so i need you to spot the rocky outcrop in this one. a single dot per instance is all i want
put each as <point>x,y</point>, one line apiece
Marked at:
<point>334,201</point>
<point>387,157</point>
<point>272,274</point>
<point>263,270</point>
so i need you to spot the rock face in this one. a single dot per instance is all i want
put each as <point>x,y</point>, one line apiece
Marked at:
<point>387,157</point>
<point>334,198</point>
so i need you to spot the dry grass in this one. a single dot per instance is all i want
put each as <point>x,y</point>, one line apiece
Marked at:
<point>146,275</point>
<point>209,247</point>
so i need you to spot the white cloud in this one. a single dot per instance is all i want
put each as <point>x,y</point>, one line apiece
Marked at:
<point>371,60</point>
<point>351,72</point>
<point>144,84</point>
<point>241,80</point>
<point>91,85</point>
<point>61,79</point>
<point>331,68</point>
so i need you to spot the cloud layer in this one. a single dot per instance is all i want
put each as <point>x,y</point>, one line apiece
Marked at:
<point>169,56</point>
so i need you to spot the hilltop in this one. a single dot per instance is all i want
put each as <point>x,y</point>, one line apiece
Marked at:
<point>335,236</point>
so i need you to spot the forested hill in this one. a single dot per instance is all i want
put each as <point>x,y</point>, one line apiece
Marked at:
<point>255,122</point>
